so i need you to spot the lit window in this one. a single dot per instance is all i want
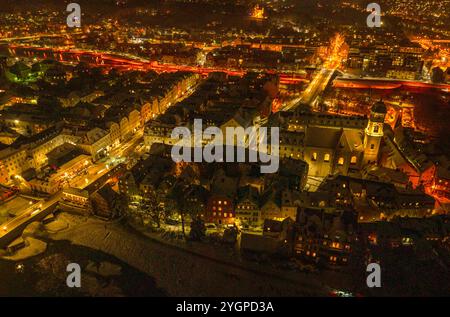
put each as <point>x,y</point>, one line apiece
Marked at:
<point>326,158</point>
<point>225,202</point>
<point>353,160</point>
<point>341,161</point>
<point>314,156</point>
<point>225,214</point>
<point>335,245</point>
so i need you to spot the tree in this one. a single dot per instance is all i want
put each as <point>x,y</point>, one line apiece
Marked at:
<point>198,229</point>
<point>151,206</point>
<point>176,195</point>
<point>230,235</point>
<point>96,74</point>
<point>437,75</point>
<point>119,205</point>
<point>170,207</point>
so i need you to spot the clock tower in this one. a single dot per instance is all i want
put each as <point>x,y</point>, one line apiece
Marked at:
<point>374,133</point>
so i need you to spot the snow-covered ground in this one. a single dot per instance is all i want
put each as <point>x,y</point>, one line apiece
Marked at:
<point>186,270</point>
<point>32,248</point>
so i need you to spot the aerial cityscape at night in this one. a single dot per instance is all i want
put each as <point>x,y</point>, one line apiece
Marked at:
<point>224,148</point>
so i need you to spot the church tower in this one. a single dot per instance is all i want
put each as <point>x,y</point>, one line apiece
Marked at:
<point>374,133</point>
